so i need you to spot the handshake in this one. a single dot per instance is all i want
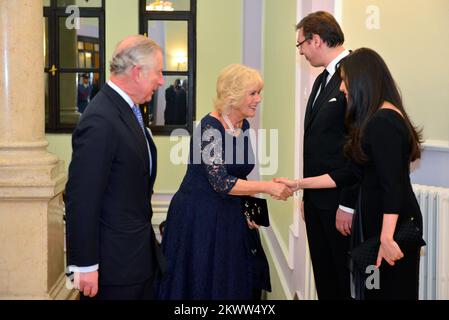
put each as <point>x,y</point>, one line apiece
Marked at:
<point>282,188</point>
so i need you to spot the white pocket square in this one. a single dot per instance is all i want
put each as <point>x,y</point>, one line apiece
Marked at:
<point>333,100</point>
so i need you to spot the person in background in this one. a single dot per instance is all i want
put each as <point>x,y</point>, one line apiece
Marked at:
<point>170,102</point>
<point>84,92</point>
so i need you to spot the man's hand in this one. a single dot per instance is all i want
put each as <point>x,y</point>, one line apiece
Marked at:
<point>343,222</point>
<point>88,283</point>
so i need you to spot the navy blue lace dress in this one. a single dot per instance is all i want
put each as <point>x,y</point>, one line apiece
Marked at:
<point>211,253</point>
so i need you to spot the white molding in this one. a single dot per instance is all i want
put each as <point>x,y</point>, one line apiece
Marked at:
<point>338,11</point>
<point>268,234</point>
<point>61,292</point>
<point>432,169</point>
<point>285,253</point>
<point>242,28</point>
<point>436,145</point>
<point>299,295</point>
<point>252,56</point>
<point>160,203</point>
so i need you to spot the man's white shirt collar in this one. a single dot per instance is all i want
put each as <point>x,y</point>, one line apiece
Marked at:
<point>122,93</point>
<point>331,66</point>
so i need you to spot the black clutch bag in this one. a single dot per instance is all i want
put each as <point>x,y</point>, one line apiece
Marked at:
<point>406,234</point>
<point>256,209</point>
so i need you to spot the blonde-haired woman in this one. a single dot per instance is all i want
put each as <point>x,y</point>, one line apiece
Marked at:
<point>212,251</point>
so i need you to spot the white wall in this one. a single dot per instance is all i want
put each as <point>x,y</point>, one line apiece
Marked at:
<point>412,37</point>
<point>433,167</point>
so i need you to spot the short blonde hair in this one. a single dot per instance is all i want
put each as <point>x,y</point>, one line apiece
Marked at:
<point>232,85</point>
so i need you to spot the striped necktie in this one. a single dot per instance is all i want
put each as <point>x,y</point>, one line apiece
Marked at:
<point>138,115</point>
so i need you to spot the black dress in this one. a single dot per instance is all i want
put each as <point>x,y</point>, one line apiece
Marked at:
<point>386,188</point>
<point>211,252</point>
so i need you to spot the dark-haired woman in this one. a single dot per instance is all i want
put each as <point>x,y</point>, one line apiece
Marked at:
<point>381,145</point>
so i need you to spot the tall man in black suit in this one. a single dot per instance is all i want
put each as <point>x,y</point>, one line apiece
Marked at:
<point>320,40</point>
<point>111,246</point>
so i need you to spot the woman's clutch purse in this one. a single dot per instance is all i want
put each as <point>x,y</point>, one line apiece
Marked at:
<point>407,234</point>
<point>256,209</point>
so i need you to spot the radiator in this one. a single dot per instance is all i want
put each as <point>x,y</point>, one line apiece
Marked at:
<point>434,262</point>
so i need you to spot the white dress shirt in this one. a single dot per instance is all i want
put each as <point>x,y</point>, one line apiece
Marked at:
<point>331,68</point>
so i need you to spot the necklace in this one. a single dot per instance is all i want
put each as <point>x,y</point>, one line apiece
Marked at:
<point>235,132</point>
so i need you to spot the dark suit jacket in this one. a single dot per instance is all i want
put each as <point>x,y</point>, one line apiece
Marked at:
<point>108,194</point>
<point>170,105</point>
<point>324,138</point>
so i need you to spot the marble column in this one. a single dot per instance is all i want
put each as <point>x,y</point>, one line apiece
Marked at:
<point>31,179</point>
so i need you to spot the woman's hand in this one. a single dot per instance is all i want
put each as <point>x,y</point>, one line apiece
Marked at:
<point>390,251</point>
<point>292,184</point>
<point>319,182</point>
<point>252,225</point>
<point>279,191</point>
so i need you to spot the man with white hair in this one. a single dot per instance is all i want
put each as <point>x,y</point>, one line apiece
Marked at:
<point>111,246</point>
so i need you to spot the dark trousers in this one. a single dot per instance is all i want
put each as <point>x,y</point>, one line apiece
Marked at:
<point>398,282</point>
<point>141,291</point>
<point>329,253</point>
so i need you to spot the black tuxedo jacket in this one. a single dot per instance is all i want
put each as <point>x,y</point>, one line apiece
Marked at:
<point>108,194</point>
<point>324,139</point>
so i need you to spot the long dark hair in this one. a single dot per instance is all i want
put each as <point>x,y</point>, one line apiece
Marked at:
<point>369,83</point>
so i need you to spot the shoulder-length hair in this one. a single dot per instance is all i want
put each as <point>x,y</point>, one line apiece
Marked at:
<point>369,83</point>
